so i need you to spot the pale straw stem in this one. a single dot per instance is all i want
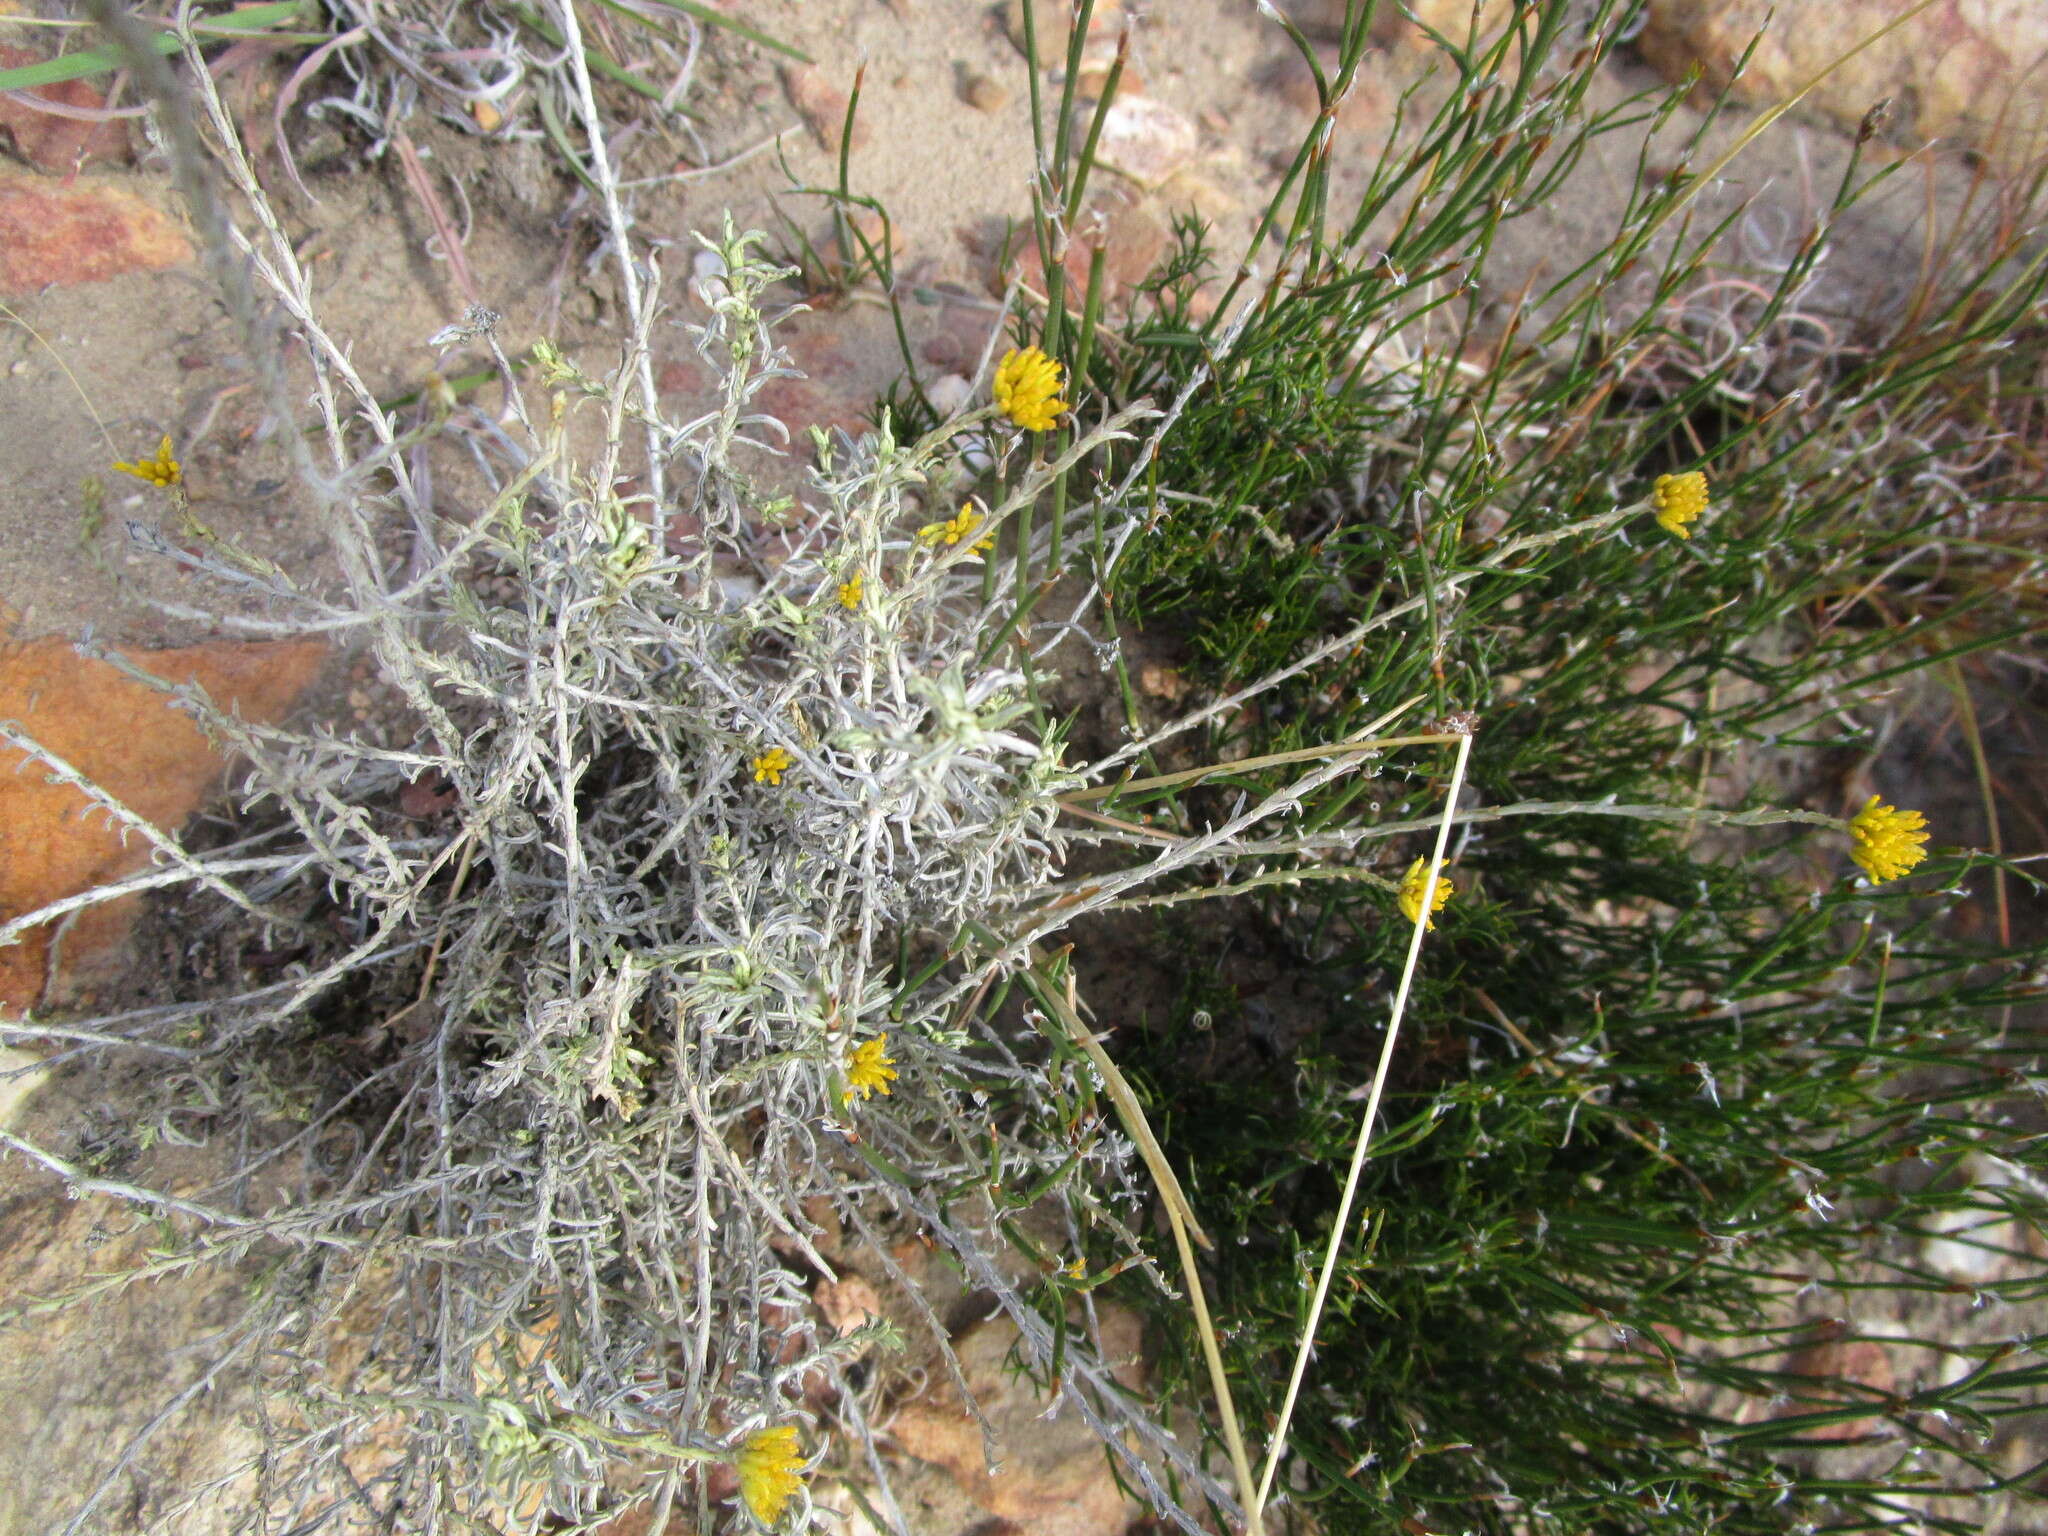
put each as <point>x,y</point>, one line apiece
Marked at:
<point>1254,1514</point>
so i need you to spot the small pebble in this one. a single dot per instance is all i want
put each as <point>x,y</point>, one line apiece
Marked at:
<point>1145,140</point>
<point>949,393</point>
<point>823,107</point>
<point>1093,81</point>
<point>985,95</point>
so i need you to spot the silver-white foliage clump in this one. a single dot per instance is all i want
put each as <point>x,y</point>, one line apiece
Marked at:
<point>708,762</point>
<point>733,773</point>
<point>562,1070</point>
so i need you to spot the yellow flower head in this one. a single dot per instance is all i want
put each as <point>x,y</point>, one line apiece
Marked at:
<point>770,1467</point>
<point>850,590</point>
<point>1413,884</point>
<point>769,766</point>
<point>872,1067</point>
<point>1028,389</point>
<point>163,471</point>
<point>1885,841</point>
<point>959,526</point>
<point>1679,500</point>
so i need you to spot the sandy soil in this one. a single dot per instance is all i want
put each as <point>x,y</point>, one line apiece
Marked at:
<point>111,366</point>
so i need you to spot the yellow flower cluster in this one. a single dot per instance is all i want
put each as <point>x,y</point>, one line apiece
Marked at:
<point>1413,885</point>
<point>1679,500</point>
<point>1028,389</point>
<point>850,591</point>
<point>770,766</point>
<point>163,471</point>
<point>960,525</point>
<point>872,1067</point>
<point>1885,841</point>
<point>770,1465</point>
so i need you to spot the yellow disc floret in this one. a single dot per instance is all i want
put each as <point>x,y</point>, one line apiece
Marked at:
<point>163,471</point>
<point>960,525</point>
<point>1885,841</point>
<point>1413,884</point>
<point>1679,500</point>
<point>1028,389</point>
<point>872,1068</point>
<point>770,1465</point>
<point>770,766</point>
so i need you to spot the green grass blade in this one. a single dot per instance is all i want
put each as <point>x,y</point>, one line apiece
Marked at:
<point>88,62</point>
<point>738,28</point>
<point>598,62</point>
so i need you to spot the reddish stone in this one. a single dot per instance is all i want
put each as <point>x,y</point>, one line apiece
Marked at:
<point>1392,27</point>
<point>428,795</point>
<point>863,224</point>
<point>50,233</point>
<point>1839,1366</point>
<point>847,1304</point>
<point>679,378</point>
<point>1053,1480</point>
<point>1366,110</point>
<point>822,106</point>
<point>1966,71</point>
<point>800,405</point>
<point>1093,80</point>
<point>963,332</point>
<point>1053,21</point>
<point>814,349</point>
<point>1144,139</point>
<point>59,144</point>
<point>1131,237</point>
<point>131,741</point>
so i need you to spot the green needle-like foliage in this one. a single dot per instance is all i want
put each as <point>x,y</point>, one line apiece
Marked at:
<point>1666,1093</point>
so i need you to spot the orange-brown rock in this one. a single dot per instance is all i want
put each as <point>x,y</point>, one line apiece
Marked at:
<point>1839,1367</point>
<point>79,233</point>
<point>1053,21</point>
<point>1367,110</point>
<point>1969,71</point>
<point>823,106</point>
<point>1391,26</point>
<point>50,141</point>
<point>847,1304</point>
<point>128,739</point>
<point>1054,1481</point>
<point>1143,139</point>
<point>1132,235</point>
